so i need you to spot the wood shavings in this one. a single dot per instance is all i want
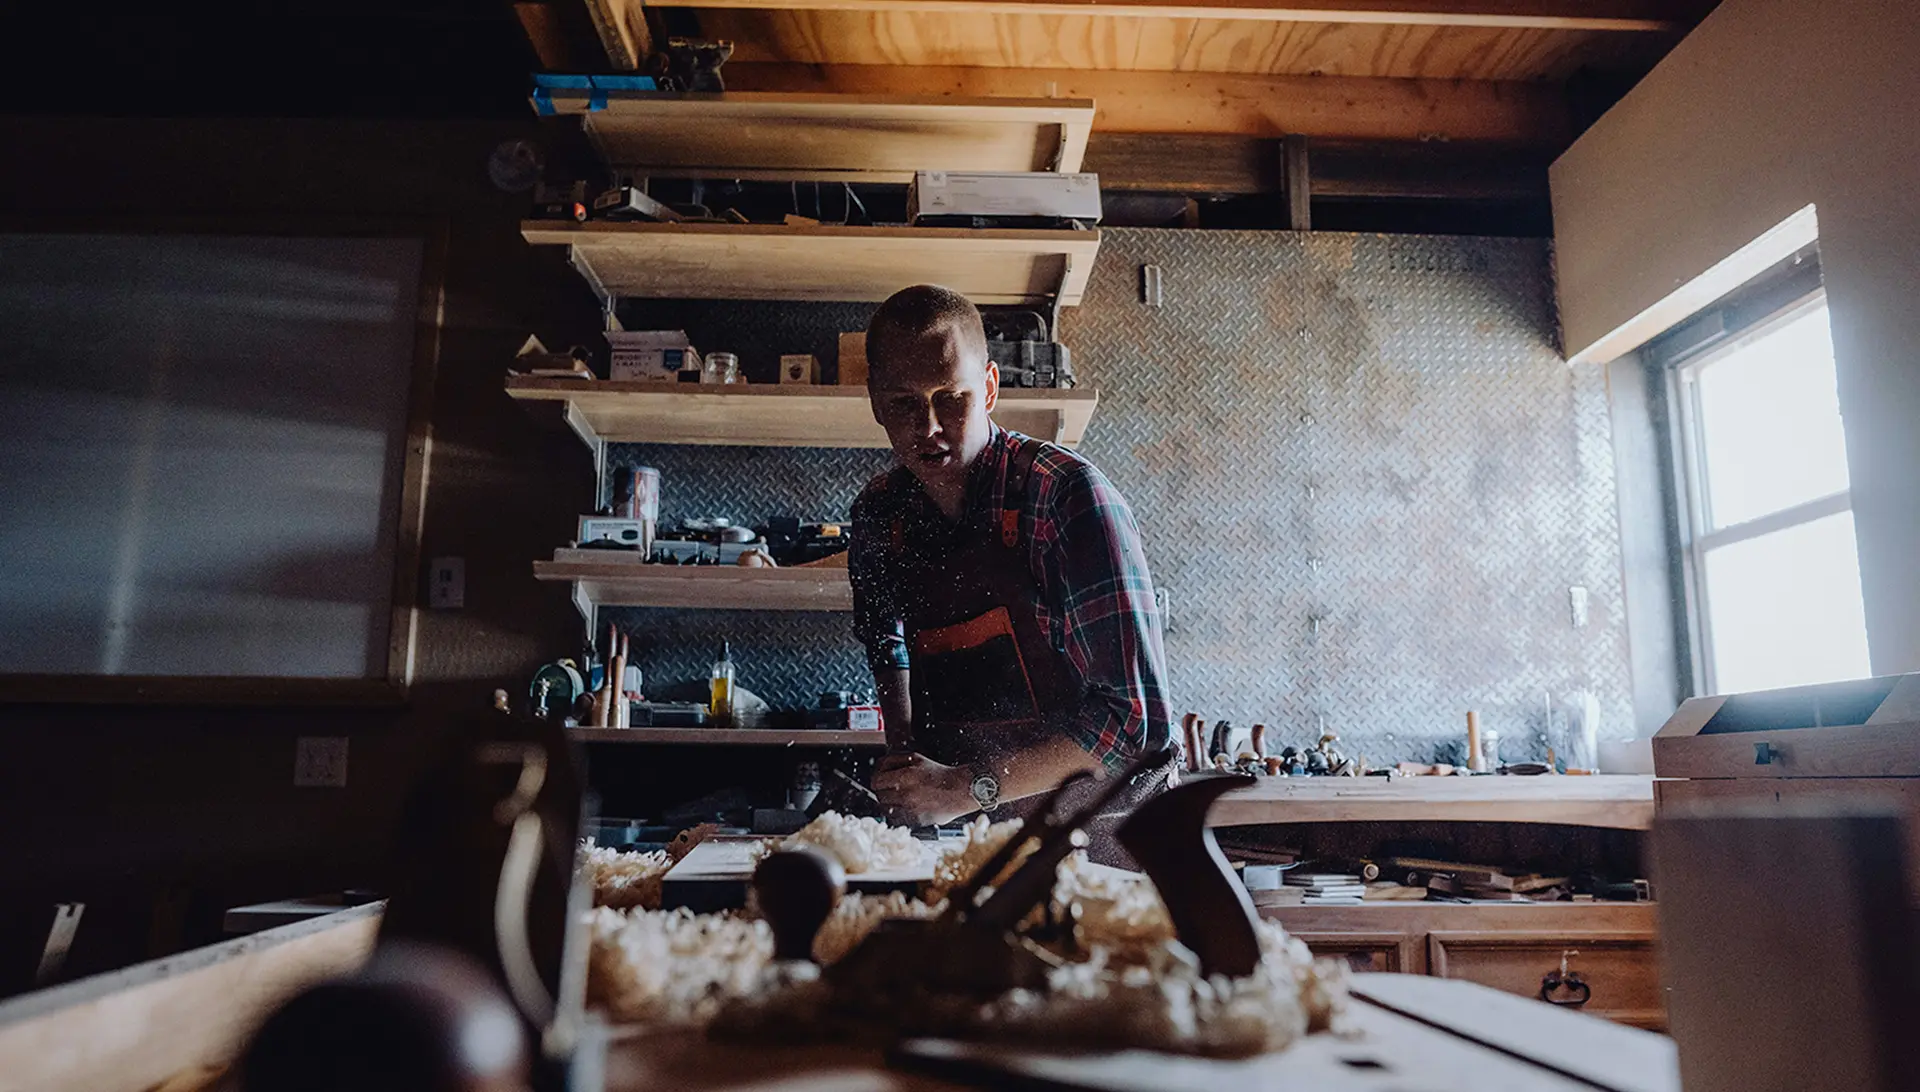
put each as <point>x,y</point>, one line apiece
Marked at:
<point>856,915</point>
<point>624,880</point>
<point>958,864</point>
<point>861,844</point>
<point>673,966</point>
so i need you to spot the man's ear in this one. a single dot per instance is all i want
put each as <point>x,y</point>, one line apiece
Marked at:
<point>993,385</point>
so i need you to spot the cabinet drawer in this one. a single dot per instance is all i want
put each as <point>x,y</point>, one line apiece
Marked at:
<point>1613,975</point>
<point>1364,951</point>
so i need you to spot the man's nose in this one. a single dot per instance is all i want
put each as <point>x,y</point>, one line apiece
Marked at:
<point>929,422</point>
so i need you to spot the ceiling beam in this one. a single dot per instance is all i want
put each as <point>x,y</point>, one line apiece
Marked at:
<point>1219,103</point>
<point>1605,15</point>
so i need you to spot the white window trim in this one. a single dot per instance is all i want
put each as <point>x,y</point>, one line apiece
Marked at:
<point>1702,537</point>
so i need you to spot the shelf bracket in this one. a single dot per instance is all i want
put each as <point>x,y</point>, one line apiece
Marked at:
<point>577,421</point>
<point>585,268</point>
<point>589,613</point>
<point>1059,294</point>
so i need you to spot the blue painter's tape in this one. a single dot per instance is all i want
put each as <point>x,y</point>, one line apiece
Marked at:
<point>543,102</point>
<point>556,81</point>
<point>596,99</point>
<point>626,83</point>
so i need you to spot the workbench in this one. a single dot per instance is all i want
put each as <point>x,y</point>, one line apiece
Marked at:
<point>190,1014</point>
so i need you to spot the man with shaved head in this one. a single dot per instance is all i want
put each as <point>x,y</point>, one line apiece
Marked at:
<point>999,586</point>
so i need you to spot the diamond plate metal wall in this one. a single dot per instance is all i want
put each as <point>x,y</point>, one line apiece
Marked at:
<point>1366,481</point>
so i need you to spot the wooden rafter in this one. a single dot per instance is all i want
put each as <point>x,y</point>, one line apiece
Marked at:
<point>1608,15</point>
<point>622,26</point>
<point>1221,104</point>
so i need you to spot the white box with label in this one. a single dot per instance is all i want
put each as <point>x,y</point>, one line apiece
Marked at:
<point>1004,193</point>
<point>799,368</point>
<point>653,355</point>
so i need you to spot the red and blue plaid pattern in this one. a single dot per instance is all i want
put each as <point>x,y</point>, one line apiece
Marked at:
<point>1094,597</point>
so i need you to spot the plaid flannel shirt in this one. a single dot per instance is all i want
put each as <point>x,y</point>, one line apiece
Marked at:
<point>1094,598</point>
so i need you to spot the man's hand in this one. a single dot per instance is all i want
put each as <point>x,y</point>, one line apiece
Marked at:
<point>918,792</point>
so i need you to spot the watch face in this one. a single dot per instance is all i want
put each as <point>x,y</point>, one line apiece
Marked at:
<point>986,791</point>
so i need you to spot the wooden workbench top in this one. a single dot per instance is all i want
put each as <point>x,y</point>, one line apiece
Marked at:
<point>1619,801</point>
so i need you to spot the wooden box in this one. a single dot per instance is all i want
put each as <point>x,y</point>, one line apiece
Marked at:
<point>1860,728</point>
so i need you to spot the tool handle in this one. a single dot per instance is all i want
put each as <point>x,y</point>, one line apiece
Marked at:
<point>797,889</point>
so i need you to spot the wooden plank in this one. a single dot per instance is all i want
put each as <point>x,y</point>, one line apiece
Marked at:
<point>201,690</point>
<point>1299,182</point>
<point>734,737</point>
<point>830,137</point>
<point>1619,801</point>
<point>1616,16</point>
<point>131,1029</point>
<point>824,263</point>
<point>770,415</point>
<point>1523,114</point>
<point>622,27</point>
<point>1392,952</point>
<point>1608,1055</point>
<point>709,587</point>
<point>1156,44</point>
<point>1386,1052</point>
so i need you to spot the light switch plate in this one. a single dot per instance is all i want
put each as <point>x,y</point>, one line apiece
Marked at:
<point>447,583</point>
<point>320,762</point>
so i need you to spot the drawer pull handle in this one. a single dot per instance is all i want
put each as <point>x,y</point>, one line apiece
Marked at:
<point>1570,988</point>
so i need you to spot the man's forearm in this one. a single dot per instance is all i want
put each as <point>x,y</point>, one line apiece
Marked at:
<point>1038,768</point>
<point>896,708</point>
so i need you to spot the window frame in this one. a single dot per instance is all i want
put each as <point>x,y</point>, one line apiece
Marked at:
<point>1699,536</point>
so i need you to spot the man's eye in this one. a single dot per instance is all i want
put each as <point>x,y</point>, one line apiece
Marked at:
<point>904,405</point>
<point>951,400</point>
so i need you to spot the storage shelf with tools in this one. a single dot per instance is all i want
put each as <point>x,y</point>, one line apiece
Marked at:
<point>735,737</point>
<point>822,263</point>
<point>762,136</point>
<point>632,583</point>
<point>1617,801</point>
<point>637,411</point>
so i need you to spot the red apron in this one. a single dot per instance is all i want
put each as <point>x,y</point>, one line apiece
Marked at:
<point>986,678</point>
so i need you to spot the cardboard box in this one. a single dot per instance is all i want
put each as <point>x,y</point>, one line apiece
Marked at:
<point>853,359</point>
<point>1010,194</point>
<point>799,368</point>
<point>653,355</point>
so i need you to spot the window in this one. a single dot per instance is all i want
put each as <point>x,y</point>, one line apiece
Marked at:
<point>1770,546</point>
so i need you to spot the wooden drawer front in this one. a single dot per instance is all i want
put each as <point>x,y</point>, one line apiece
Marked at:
<point>1618,970</point>
<point>1365,951</point>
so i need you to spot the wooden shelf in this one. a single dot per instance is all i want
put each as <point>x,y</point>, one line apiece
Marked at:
<point>734,737</point>
<point>1619,801</point>
<point>823,263</point>
<point>706,587</point>
<point>772,136</point>
<point>637,411</point>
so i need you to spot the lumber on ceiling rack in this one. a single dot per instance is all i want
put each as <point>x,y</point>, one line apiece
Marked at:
<point>775,136</point>
<point>768,415</point>
<point>822,263</point>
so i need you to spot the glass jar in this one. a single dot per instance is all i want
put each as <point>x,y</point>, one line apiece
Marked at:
<point>721,368</point>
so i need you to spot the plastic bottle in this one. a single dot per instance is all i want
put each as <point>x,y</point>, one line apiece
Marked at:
<point>721,706</point>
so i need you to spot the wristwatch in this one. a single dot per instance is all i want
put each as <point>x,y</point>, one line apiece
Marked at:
<point>986,791</point>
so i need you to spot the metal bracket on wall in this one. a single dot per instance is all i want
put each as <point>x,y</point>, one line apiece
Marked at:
<point>1150,291</point>
<point>53,955</point>
<point>1059,294</point>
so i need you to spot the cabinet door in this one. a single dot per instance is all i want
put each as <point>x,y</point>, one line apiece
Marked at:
<point>1612,975</point>
<point>1365,951</point>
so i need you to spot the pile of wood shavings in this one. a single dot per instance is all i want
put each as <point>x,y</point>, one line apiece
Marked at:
<point>624,880</point>
<point>1136,985</point>
<point>673,966</point>
<point>860,844</point>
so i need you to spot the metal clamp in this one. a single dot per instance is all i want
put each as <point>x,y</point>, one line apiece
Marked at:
<point>1572,990</point>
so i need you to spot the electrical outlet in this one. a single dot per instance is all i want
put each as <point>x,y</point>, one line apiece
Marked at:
<point>320,762</point>
<point>447,583</point>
